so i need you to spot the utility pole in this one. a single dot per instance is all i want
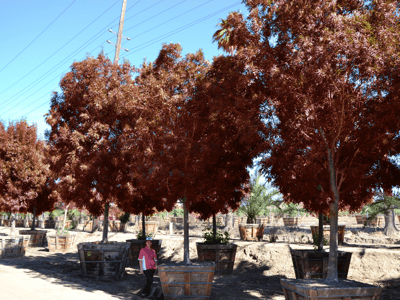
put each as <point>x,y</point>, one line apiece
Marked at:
<point>119,36</point>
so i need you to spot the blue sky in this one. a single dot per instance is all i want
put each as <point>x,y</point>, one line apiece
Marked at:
<point>41,39</point>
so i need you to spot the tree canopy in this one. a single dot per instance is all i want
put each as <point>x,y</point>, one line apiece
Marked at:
<point>326,68</point>
<point>25,179</point>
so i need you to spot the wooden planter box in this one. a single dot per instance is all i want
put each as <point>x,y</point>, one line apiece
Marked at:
<point>251,232</point>
<point>38,237</point>
<point>87,225</point>
<point>13,246</point>
<point>361,219</point>
<point>187,281</point>
<point>103,260</point>
<point>327,232</point>
<point>151,227</point>
<point>311,264</point>
<point>116,226</point>
<point>137,245</point>
<point>178,220</point>
<point>263,221</point>
<point>299,289</point>
<point>291,221</point>
<point>378,221</point>
<point>222,255</point>
<point>60,242</point>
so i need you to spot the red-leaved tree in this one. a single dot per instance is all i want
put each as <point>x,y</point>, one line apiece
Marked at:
<point>326,69</point>
<point>89,124</point>
<point>25,177</point>
<point>211,130</point>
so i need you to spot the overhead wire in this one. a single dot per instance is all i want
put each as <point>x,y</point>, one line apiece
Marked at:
<point>152,41</point>
<point>157,39</point>
<point>37,37</point>
<point>90,41</point>
<point>48,73</point>
<point>167,20</point>
<point>59,48</point>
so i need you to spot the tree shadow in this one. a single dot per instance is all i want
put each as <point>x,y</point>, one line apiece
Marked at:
<point>391,289</point>
<point>64,269</point>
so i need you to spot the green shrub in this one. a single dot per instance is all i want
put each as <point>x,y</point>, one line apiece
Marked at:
<point>141,236</point>
<point>218,239</point>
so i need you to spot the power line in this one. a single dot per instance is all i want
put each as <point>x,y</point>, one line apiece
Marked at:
<point>168,34</point>
<point>40,79</point>
<point>59,48</point>
<point>101,32</point>
<point>154,15</point>
<point>37,36</point>
<point>150,42</point>
<point>168,20</point>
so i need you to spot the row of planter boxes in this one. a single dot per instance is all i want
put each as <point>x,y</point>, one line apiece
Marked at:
<point>108,260</point>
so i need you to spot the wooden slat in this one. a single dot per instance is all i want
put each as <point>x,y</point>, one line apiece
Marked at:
<point>187,283</point>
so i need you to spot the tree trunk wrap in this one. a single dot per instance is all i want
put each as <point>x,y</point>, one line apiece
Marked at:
<point>320,233</point>
<point>144,225</point>
<point>34,217</point>
<point>214,226</point>
<point>105,225</point>
<point>186,257</point>
<point>334,211</point>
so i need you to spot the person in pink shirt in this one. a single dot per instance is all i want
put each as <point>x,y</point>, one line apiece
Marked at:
<point>148,265</point>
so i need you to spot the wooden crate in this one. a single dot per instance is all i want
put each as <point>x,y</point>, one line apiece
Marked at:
<point>103,260</point>
<point>13,246</point>
<point>60,242</point>
<point>300,289</point>
<point>222,255</point>
<point>187,281</point>
<point>38,237</point>
<point>327,232</point>
<point>291,221</point>
<point>310,264</point>
<point>251,232</point>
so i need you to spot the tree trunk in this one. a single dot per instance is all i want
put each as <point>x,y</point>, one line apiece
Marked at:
<point>65,218</point>
<point>332,274</point>
<point>34,217</point>
<point>320,233</point>
<point>390,229</point>
<point>144,225</point>
<point>186,257</point>
<point>214,226</point>
<point>12,229</point>
<point>105,224</point>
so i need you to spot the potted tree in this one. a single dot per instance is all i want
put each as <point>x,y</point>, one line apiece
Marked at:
<point>216,248</point>
<point>63,240</point>
<point>254,204</point>
<point>328,145</point>
<point>383,206</point>
<point>26,177</point>
<point>290,212</point>
<point>87,166</point>
<point>208,156</point>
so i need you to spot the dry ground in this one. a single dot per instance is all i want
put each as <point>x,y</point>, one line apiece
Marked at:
<point>258,267</point>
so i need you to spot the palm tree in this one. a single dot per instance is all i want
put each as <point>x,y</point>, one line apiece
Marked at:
<point>257,202</point>
<point>225,35</point>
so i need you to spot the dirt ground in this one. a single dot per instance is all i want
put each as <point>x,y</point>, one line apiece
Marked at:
<point>259,266</point>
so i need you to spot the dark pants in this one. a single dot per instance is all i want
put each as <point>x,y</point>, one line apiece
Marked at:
<point>149,281</point>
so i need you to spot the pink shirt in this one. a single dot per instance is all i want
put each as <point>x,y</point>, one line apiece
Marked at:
<point>148,257</point>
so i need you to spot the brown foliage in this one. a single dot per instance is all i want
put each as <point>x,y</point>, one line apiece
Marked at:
<point>325,77</point>
<point>25,180</point>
